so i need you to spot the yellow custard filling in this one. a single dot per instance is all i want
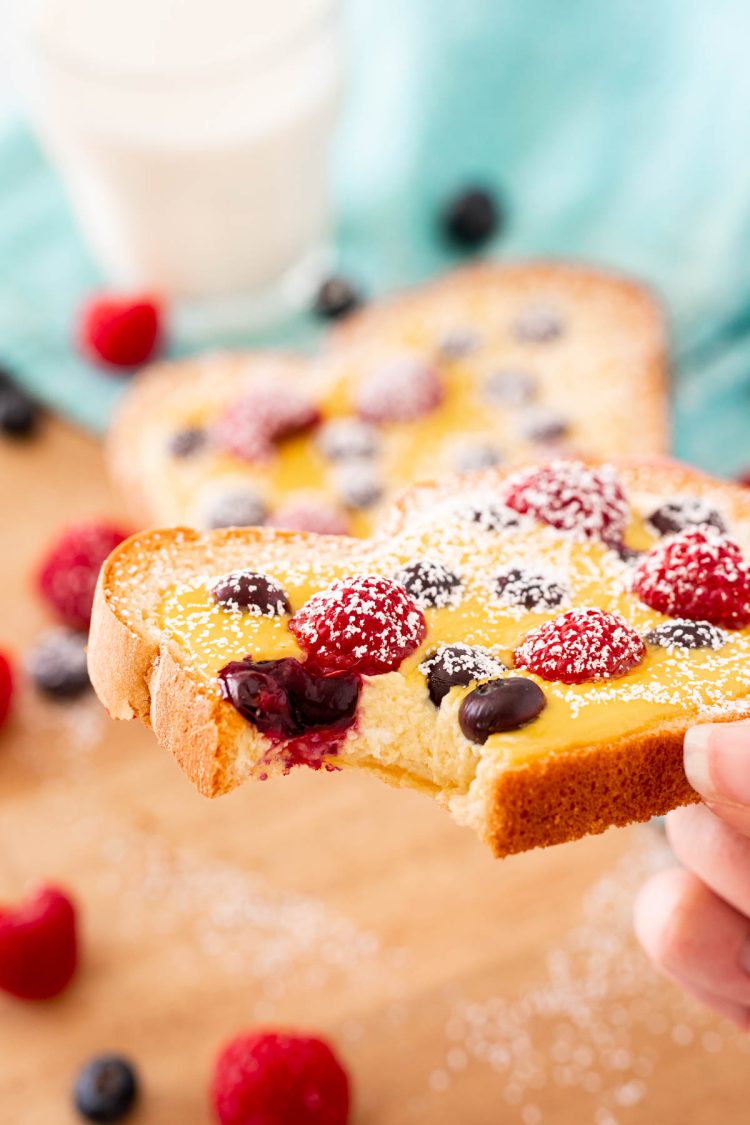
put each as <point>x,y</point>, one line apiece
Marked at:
<point>668,682</point>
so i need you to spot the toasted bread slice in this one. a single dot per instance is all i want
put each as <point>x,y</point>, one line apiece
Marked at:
<point>511,362</point>
<point>602,752</point>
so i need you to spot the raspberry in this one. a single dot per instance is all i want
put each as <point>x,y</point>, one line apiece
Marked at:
<point>366,624</point>
<point>6,687</point>
<point>400,392</point>
<point>571,496</point>
<point>581,645</point>
<point>279,1078</point>
<point>309,515</point>
<point>120,331</point>
<point>698,574</point>
<point>251,425</point>
<point>68,572</point>
<point>38,945</point>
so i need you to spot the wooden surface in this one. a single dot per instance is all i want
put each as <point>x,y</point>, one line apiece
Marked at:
<point>459,989</point>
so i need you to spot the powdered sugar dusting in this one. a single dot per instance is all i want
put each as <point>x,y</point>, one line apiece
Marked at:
<point>584,500</point>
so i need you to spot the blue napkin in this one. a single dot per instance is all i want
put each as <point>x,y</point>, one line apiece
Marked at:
<point>615,133</point>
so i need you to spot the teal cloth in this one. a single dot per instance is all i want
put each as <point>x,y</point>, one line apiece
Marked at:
<point>614,132</point>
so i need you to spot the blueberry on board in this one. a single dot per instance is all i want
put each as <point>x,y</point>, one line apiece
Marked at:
<point>106,1089</point>
<point>336,298</point>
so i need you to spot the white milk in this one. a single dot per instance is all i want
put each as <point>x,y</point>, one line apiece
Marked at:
<point>193,135</point>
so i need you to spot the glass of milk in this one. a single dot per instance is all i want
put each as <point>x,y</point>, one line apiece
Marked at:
<point>193,138</point>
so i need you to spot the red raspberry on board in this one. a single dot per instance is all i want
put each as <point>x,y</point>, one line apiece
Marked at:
<point>120,331</point>
<point>279,1078</point>
<point>699,574</point>
<point>401,391</point>
<point>38,945</point>
<point>366,624</point>
<point>579,646</point>
<point>68,572</point>
<point>6,687</point>
<point>309,515</point>
<point>587,500</point>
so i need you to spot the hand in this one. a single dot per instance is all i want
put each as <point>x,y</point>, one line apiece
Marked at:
<point>694,922</point>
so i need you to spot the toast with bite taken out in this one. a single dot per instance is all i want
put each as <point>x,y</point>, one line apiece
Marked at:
<point>528,647</point>
<point>489,366</point>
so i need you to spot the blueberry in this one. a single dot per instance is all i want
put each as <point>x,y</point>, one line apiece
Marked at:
<point>491,516</point>
<point>336,298</point>
<point>106,1089</point>
<point>237,507</point>
<point>348,439</point>
<point>458,343</point>
<point>457,665</point>
<point>19,414</point>
<point>510,387</point>
<point>257,593</point>
<point>286,698</point>
<point>470,218</point>
<point>478,455</point>
<point>544,426</point>
<point>184,443</point>
<point>57,664</point>
<point>538,324</point>
<point>690,511</point>
<point>430,584</point>
<point>500,705</point>
<point>686,634</point>
<point>534,592</point>
<point>359,484</point>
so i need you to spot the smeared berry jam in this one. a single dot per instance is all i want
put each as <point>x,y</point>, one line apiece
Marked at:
<point>286,700</point>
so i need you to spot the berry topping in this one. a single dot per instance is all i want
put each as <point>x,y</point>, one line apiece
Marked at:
<point>38,945</point>
<point>571,496</point>
<point>234,507</point>
<point>698,574</point>
<point>57,664</point>
<point>120,331</point>
<point>250,426</point>
<point>286,699</point>
<point>458,665</point>
<point>533,592</point>
<point>401,391</point>
<point>364,623</point>
<point>687,634</point>
<point>336,298</point>
<point>579,646</point>
<point>67,576</point>
<point>279,1078</point>
<point>6,687</point>
<point>470,218</point>
<point>310,514</point>
<point>690,511</point>
<point>472,457</point>
<point>106,1089</point>
<point>510,387</point>
<point>490,514</point>
<point>348,439</point>
<point>184,443</point>
<point>544,426</point>
<point>431,584</point>
<point>538,324</point>
<point>359,484</point>
<point>458,343</point>
<point>255,593</point>
<point>500,705</point>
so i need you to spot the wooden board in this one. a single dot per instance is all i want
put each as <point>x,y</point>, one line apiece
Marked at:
<point>460,990</point>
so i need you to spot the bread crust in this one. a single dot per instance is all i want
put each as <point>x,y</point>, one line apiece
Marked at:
<point>550,799</point>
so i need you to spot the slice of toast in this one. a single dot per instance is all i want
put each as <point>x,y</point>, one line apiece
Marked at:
<point>486,571</point>
<point>489,365</point>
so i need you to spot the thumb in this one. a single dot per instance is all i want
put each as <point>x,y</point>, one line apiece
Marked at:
<point>717,765</point>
